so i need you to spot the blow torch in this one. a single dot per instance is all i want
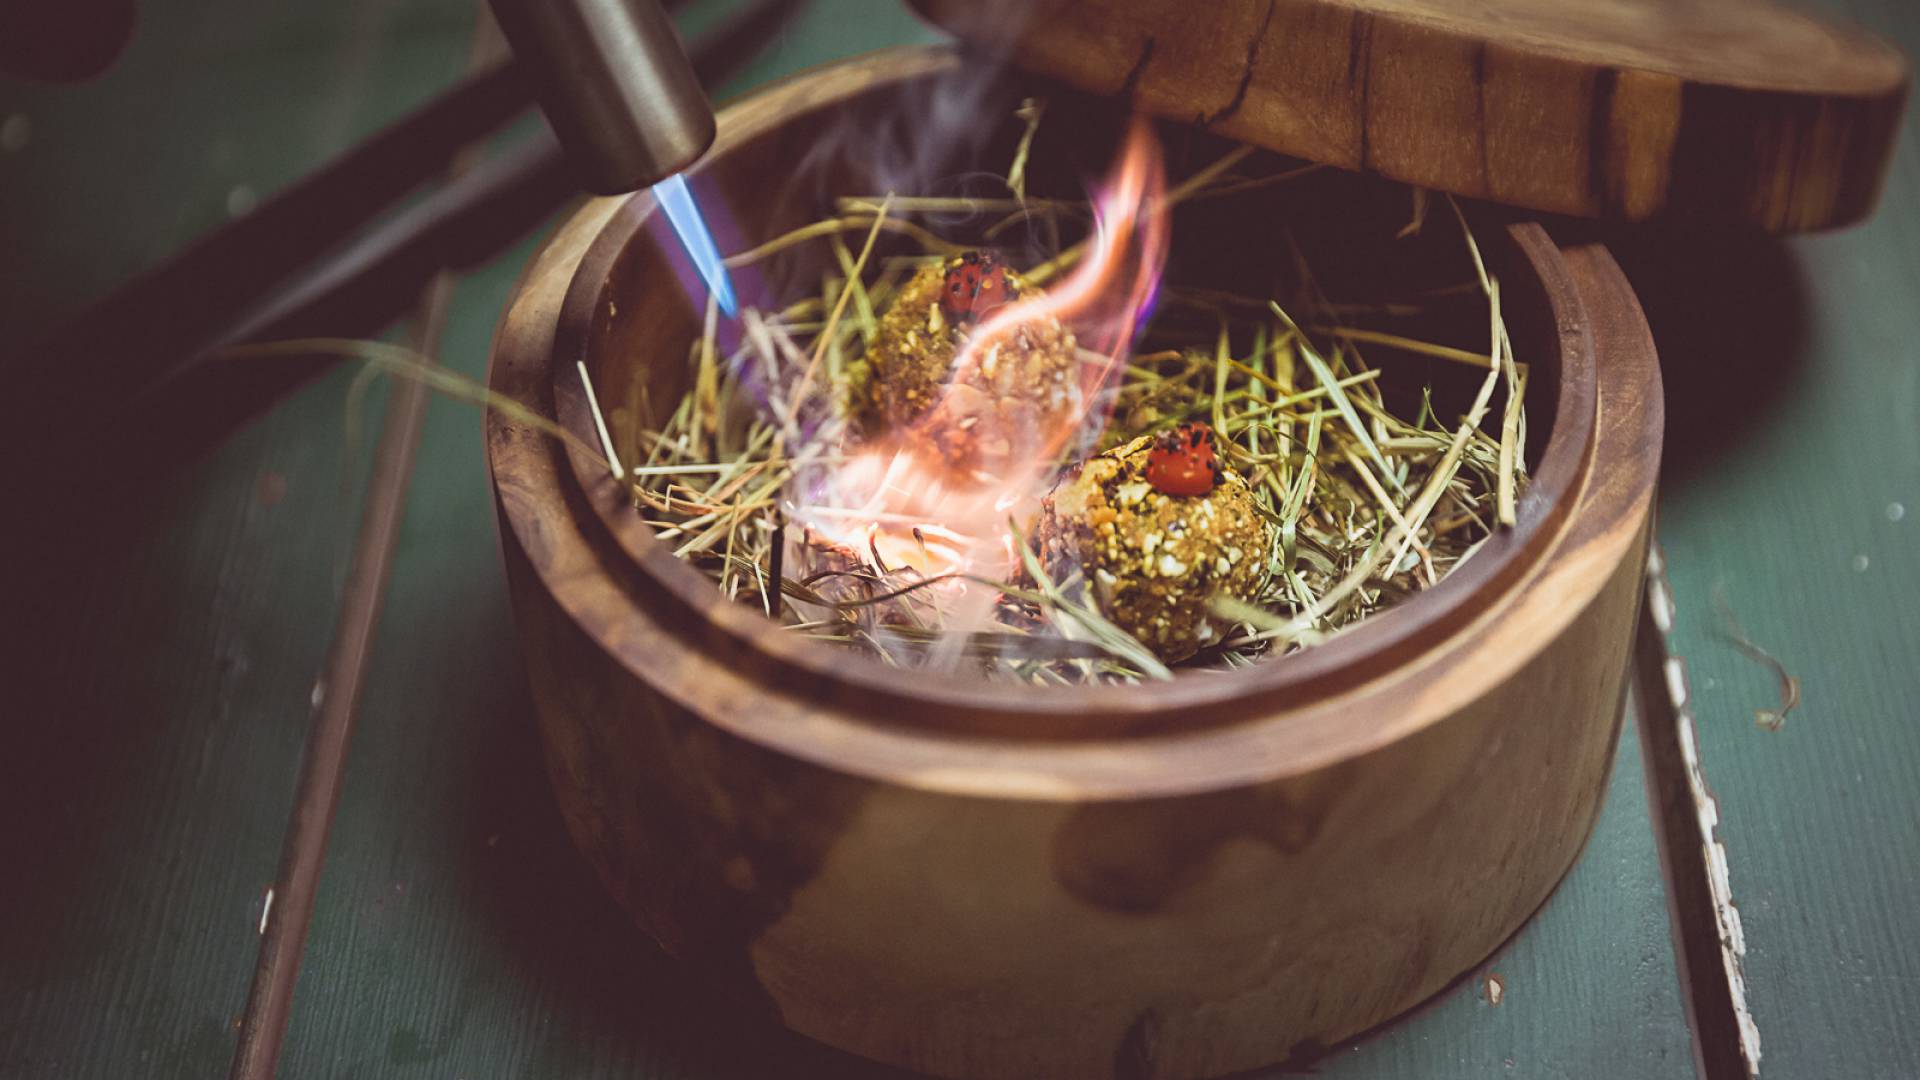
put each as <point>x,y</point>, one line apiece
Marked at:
<point>622,97</point>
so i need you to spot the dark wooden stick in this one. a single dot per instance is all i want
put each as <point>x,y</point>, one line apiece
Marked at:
<point>355,292</point>
<point>535,169</point>
<point>336,693</point>
<point>147,325</point>
<point>91,407</point>
<point>336,700</point>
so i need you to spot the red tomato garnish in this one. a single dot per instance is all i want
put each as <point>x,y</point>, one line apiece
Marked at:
<point>1182,463</point>
<point>976,284</point>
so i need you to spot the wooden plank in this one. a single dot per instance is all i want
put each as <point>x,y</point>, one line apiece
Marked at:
<point>168,683</point>
<point>1587,987</point>
<point>234,101</point>
<point>1794,405</point>
<point>167,640</point>
<point>285,924</point>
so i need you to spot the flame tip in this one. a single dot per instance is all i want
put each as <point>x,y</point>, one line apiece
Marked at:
<point>683,213</point>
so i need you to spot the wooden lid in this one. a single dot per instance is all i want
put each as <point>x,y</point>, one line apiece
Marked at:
<point>1626,109</point>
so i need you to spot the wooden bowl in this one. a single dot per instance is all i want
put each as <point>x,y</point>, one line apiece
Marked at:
<point>1175,880</point>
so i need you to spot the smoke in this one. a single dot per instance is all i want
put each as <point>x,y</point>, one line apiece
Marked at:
<point>872,510</point>
<point>911,142</point>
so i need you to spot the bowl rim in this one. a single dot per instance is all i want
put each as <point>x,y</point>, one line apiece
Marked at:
<point>959,704</point>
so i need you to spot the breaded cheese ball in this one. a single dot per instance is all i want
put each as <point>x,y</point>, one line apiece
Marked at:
<point>1159,527</point>
<point>1015,398</point>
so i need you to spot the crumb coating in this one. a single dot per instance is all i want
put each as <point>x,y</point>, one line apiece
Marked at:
<point>1154,561</point>
<point>1012,402</point>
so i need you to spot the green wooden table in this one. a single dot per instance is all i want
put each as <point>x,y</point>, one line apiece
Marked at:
<point>146,779</point>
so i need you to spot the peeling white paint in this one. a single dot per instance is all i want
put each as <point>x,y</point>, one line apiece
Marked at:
<point>1659,600</point>
<point>1677,681</point>
<point>1733,941</point>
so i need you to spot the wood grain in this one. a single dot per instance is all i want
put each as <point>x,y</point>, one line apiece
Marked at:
<point>162,649</point>
<point>1626,109</point>
<point>624,305</point>
<point>1186,904</point>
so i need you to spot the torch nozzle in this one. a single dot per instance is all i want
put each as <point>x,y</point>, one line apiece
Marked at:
<point>616,85</point>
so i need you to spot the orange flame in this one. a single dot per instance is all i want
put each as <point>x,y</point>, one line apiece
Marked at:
<point>1107,291</point>
<point>906,508</point>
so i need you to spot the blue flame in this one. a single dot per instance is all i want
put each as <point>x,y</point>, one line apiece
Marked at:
<point>677,201</point>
